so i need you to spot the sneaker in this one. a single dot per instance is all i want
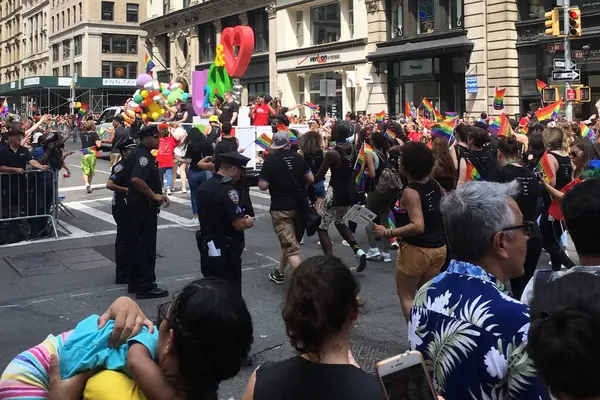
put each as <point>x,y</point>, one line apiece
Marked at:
<point>373,254</point>
<point>344,243</point>
<point>88,188</point>
<point>302,240</point>
<point>361,258</point>
<point>394,244</point>
<point>276,276</point>
<point>194,221</point>
<point>183,190</point>
<point>386,257</point>
<point>169,191</point>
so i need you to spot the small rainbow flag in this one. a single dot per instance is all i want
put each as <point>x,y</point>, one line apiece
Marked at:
<point>83,109</point>
<point>380,116</point>
<point>263,141</point>
<point>293,138</point>
<point>5,109</point>
<point>451,115</point>
<point>362,156</point>
<point>524,130</point>
<point>499,99</point>
<point>407,111</point>
<point>500,126</point>
<point>90,150</point>
<point>437,115</point>
<point>472,173</point>
<point>548,112</point>
<point>149,63</point>
<point>311,105</point>
<point>443,129</point>
<point>540,86</point>
<point>359,179</point>
<point>390,135</point>
<point>428,106</point>
<point>544,167</point>
<point>391,219</point>
<point>586,131</point>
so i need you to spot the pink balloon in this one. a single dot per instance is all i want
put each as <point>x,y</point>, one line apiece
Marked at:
<point>142,80</point>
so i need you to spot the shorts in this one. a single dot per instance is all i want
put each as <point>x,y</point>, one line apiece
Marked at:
<point>88,164</point>
<point>330,213</point>
<point>26,377</point>
<point>114,159</point>
<point>418,261</point>
<point>285,223</point>
<point>319,189</point>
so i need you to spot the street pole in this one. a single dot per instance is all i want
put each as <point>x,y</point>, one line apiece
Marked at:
<point>72,70</point>
<point>567,47</point>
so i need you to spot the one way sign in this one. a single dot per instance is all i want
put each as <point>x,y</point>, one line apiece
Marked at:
<point>560,63</point>
<point>562,75</point>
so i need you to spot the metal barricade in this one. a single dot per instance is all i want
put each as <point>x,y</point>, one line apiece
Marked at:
<point>28,201</point>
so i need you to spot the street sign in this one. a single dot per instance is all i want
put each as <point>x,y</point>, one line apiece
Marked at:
<point>472,86</point>
<point>559,63</point>
<point>564,75</point>
<point>571,94</point>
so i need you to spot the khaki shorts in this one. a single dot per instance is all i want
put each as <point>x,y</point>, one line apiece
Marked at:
<point>417,261</point>
<point>284,223</point>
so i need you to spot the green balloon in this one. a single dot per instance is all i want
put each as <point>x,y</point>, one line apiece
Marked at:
<point>218,81</point>
<point>138,98</point>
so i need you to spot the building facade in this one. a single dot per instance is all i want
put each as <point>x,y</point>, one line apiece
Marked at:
<point>183,35</point>
<point>10,47</point>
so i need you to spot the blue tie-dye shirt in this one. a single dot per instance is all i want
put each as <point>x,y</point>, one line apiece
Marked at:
<point>472,335</point>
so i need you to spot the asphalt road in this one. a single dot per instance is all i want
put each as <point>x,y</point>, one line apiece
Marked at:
<point>48,286</point>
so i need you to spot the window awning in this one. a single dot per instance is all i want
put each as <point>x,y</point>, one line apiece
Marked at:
<point>458,45</point>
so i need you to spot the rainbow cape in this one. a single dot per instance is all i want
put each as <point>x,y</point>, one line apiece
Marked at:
<point>540,86</point>
<point>586,131</point>
<point>380,116</point>
<point>544,167</point>
<point>149,63</point>
<point>311,105</point>
<point>437,115</point>
<point>263,141</point>
<point>451,115</point>
<point>90,150</point>
<point>443,129</point>
<point>499,99</point>
<point>500,126</point>
<point>549,112</point>
<point>428,106</point>
<point>83,109</point>
<point>472,173</point>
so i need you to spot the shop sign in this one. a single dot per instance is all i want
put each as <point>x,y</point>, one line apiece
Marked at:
<point>416,67</point>
<point>31,81</point>
<point>64,81</point>
<point>117,82</point>
<point>472,86</point>
<point>13,85</point>
<point>318,59</point>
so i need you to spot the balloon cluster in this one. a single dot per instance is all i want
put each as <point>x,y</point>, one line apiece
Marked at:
<point>152,98</point>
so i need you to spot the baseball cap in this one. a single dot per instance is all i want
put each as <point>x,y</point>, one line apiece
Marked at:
<point>150,130</point>
<point>213,118</point>
<point>234,158</point>
<point>280,140</point>
<point>36,137</point>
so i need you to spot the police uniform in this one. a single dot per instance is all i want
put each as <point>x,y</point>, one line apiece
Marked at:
<point>124,242</point>
<point>144,214</point>
<point>220,244</point>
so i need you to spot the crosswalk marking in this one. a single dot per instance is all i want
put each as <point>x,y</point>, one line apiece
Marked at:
<point>106,217</point>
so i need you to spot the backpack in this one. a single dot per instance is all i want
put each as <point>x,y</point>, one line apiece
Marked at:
<point>390,179</point>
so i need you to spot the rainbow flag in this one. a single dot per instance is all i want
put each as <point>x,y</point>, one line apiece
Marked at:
<point>472,173</point>
<point>443,129</point>
<point>5,109</point>
<point>540,86</point>
<point>524,130</point>
<point>389,135</point>
<point>407,112</point>
<point>293,138</point>
<point>90,150</point>
<point>380,116</point>
<point>549,112</point>
<point>428,106</point>
<point>391,219</point>
<point>149,63</point>
<point>83,109</point>
<point>362,156</point>
<point>499,99</point>
<point>544,167</point>
<point>586,131</point>
<point>500,126</point>
<point>451,115</point>
<point>311,105</point>
<point>359,179</point>
<point>263,141</point>
<point>437,115</point>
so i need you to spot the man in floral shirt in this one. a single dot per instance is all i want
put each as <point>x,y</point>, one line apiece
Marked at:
<point>471,333</point>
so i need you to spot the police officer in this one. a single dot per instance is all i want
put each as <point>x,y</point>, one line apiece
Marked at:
<point>144,198</point>
<point>118,182</point>
<point>223,221</point>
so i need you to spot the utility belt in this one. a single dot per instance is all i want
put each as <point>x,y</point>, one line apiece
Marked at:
<point>224,245</point>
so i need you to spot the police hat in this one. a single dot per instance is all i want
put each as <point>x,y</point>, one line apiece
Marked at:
<point>128,144</point>
<point>150,130</point>
<point>234,158</point>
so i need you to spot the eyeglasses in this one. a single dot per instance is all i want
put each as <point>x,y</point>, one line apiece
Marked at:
<point>527,228</point>
<point>163,312</point>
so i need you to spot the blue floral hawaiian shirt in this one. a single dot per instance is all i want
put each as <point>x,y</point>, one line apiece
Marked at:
<point>472,335</point>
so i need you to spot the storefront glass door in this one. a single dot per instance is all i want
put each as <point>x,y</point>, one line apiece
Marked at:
<point>414,93</point>
<point>331,105</point>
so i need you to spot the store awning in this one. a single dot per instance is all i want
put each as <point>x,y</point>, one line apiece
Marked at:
<point>431,48</point>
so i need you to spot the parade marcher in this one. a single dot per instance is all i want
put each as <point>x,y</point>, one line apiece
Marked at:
<point>228,110</point>
<point>117,137</point>
<point>143,198</point>
<point>479,156</point>
<point>90,143</point>
<point>223,221</point>
<point>118,182</point>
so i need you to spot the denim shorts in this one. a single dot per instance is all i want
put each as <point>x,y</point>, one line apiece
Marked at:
<point>319,189</point>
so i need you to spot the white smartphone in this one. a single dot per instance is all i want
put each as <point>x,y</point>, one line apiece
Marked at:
<point>404,377</point>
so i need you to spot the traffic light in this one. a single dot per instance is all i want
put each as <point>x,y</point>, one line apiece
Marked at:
<point>552,23</point>
<point>549,94</point>
<point>574,22</point>
<point>583,94</point>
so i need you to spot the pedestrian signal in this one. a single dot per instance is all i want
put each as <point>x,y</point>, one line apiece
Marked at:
<point>549,94</point>
<point>574,22</point>
<point>552,23</point>
<point>583,94</point>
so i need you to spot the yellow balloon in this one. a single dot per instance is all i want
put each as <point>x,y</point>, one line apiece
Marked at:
<point>144,93</point>
<point>219,48</point>
<point>153,107</point>
<point>144,116</point>
<point>155,116</point>
<point>162,112</point>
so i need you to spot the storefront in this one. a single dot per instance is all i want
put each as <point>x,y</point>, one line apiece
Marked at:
<point>324,75</point>
<point>434,69</point>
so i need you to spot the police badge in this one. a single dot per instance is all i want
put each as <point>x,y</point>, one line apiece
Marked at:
<point>143,161</point>
<point>118,168</point>
<point>233,195</point>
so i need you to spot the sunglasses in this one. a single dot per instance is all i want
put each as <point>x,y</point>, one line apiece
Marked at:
<point>527,228</point>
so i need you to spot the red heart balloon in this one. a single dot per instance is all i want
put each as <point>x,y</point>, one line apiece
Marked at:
<point>241,36</point>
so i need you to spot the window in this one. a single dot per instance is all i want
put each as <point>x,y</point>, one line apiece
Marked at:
<point>119,44</point>
<point>455,14</point>
<point>78,68</point>
<point>66,70</point>
<point>119,69</point>
<point>77,40</point>
<point>74,15</point>
<point>55,52</point>
<point>63,19</point>
<point>54,71</point>
<point>301,89</point>
<point>80,12</point>
<point>186,3</point>
<point>397,17</point>
<point>230,22</point>
<point>166,6</point>
<point>300,28</point>
<point>426,10</point>
<point>259,21</point>
<point>326,23</point>
<point>351,17</point>
<point>108,8</point>
<point>206,40</point>
<point>132,12</point>
<point>167,57</point>
<point>66,45</point>
<point>68,17</point>
<point>259,88</point>
<point>52,29</point>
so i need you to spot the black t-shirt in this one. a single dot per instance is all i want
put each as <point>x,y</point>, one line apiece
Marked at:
<point>218,207</point>
<point>483,161</point>
<point>88,139</point>
<point>300,379</point>
<point>121,136</point>
<point>431,196</point>
<point>228,110</point>
<point>530,189</point>
<point>276,171</point>
<point>14,159</point>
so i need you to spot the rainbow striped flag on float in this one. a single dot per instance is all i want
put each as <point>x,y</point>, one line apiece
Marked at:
<point>263,141</point>
<point>149,63</point>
